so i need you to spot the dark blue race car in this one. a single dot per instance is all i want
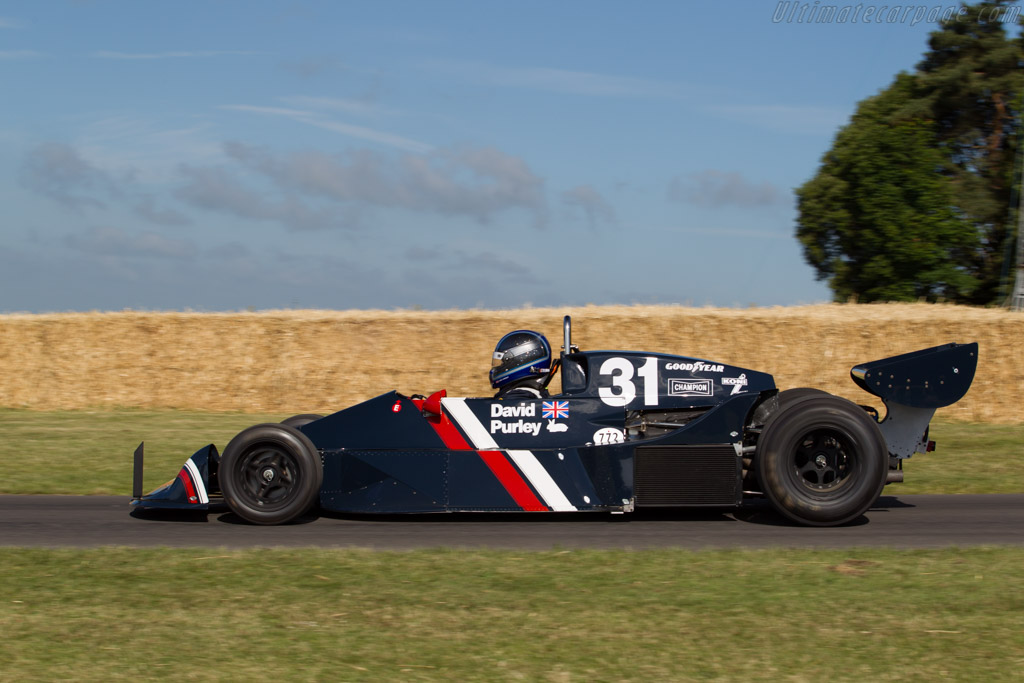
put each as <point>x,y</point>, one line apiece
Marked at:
<point>629,430</point>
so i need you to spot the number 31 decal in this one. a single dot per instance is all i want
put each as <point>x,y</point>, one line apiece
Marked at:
<point>623,389</point>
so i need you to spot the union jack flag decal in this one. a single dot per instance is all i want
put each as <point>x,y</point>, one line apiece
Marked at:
<point>552,410</point>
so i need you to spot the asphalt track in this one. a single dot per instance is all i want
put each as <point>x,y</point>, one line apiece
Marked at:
<point>922,521</point>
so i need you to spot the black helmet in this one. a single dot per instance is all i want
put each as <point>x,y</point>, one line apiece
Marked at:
<point>519,355</point>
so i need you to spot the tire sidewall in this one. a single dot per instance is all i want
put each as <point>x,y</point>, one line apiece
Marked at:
<point>780,439</point>
<point>309,470</point>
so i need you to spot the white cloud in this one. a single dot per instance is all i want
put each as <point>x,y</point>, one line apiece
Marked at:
<point>458,260</point>
<point>217,189</point>
<point>349,106</point>
<point>471,182</point>
<point>149,150</point>
<point>108,241</point>
<point>74,180</point>
<point>716,188</point>
<point>57,170</point>
<point>270,111</point>
<point>369,134</point>
<point>594,207</point>
<point>442,278</point>
<point>146,207</point>
<point>318,120</point>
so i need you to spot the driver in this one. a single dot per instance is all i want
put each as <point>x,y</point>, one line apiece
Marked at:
<point>521,365</point>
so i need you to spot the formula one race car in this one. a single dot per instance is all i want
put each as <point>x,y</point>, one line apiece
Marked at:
<point>629,430</point>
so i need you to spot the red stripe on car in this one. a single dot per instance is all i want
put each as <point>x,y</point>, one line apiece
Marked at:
<point>190,490</point>
<point>496,461</point>
<point>513,483</point>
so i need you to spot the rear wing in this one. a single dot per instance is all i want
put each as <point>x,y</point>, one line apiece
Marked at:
<point>929,378</point>
<point>912,386</point>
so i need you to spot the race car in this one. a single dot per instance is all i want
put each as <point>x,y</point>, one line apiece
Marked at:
<point>629,430</point>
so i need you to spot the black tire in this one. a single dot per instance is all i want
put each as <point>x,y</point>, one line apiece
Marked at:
<point>790,396</point>
<point>270,474</point>
<point>301,420</point>
<point>821,460</point>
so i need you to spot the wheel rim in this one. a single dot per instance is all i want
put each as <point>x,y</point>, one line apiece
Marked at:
<point>823,462</point>
<point>269,476</point>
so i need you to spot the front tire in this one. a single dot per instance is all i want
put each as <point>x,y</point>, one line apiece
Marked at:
<point>821,460</point>
<point>270,474</point>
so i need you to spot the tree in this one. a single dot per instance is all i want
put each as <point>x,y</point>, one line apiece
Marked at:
<point>912,200</point>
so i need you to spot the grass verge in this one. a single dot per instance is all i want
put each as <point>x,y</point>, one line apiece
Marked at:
<point>79,452</point>
<point>89,452</point>
<point>969,458</point>
<point>114,614</point>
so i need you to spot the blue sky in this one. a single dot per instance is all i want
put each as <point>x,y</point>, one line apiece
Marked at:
<point>231,155</point>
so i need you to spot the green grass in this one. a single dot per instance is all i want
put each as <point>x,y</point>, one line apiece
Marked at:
<point>90,452</point>
<point>113,614</point>
<point>83,452</point>
<point>969,458</point>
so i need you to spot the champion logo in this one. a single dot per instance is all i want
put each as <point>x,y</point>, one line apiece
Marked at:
<point>690,387</point>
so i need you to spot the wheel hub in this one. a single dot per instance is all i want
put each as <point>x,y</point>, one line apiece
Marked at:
<point>820,461</point>
<point>269,474</point>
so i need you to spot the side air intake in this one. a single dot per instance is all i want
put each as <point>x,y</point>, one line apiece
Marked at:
<point>667,476</point>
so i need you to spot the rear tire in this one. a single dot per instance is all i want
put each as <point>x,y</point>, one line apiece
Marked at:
<point>821,460</point>
<point>270,474</point>
<point>790,396</point>
<point>301,420</point>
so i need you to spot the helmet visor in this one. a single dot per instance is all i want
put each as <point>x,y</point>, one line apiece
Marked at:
<point>500,357</point>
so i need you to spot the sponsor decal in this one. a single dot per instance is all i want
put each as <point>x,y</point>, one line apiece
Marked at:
<point>553,410</point>
<point>607,436</point>
<point>696,366</point>
<point>555,427</point>
<point>735,382</point>
<point>520,426</point>
<point>690,387</point>
<point>397,408</point>
<point>521,410</point>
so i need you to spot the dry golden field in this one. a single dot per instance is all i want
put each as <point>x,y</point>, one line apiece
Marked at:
<point>320,361</point>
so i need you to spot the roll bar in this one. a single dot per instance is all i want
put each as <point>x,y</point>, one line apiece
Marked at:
<point>567,346</point>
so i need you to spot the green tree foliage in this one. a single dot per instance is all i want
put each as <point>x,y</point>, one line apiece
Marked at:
<point>912,200</point>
